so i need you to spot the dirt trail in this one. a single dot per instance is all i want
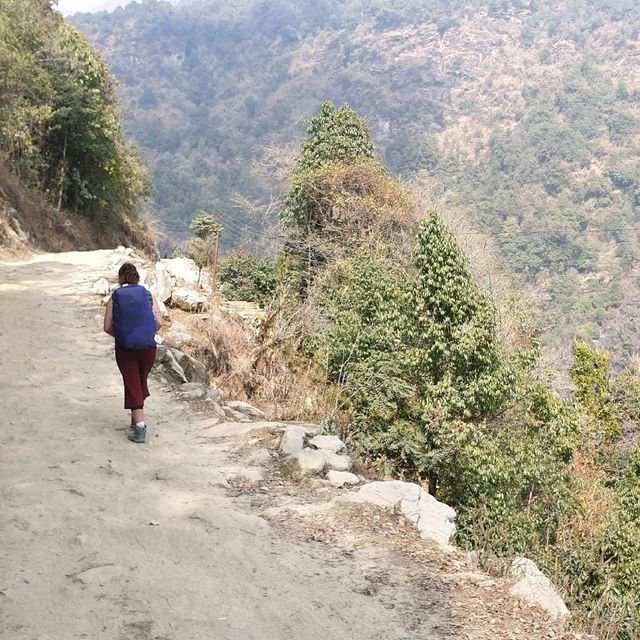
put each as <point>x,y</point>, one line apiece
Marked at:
<point>105,539</point>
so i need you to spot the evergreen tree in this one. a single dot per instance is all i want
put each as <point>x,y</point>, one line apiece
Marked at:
<point>338,137</point>
<point>456,352</point>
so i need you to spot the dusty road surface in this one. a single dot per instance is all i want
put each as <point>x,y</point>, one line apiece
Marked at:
<point>101,538</point>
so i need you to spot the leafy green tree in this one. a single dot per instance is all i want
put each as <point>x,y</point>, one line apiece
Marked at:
<point>61,129</point>
<point>590,374</point>
<point>337,137</point>
<point>205,225</point>
<point>243,276</point>
<point>455,340</point>
<point>203,247</point>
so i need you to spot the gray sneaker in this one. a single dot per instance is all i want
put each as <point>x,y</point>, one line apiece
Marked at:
<point>137,434</point>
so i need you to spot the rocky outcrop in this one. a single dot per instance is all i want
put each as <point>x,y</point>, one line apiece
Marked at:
<point>433,519</point>
<point>188,300</point>
<point>11,233</point>
<point>177,336</point>
<point>535,588</point>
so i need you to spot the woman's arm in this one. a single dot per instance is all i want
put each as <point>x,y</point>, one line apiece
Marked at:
<point>157,314</point>
<point>108,318</point>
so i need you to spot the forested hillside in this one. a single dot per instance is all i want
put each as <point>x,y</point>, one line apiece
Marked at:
<point>68,179</point>
<point>521,115</point>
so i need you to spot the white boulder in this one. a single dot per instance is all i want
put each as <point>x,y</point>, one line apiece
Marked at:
<point>185,271</point>
<point>177,336</point>
<point>332,444</point>
<point>433,519</point>
<point>336,462</point>
<point>292,440</point>
<point>246,408</point>
<point>310,461</point>
<point>342,478</point>
<point>101,287</point>
<point>535,588</point>
<point>188,299</point>
<point>162,287</point>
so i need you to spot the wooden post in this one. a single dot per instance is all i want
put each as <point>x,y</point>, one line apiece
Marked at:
<point>215,258</point>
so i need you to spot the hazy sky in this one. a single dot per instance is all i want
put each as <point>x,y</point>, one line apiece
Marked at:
<point>71,6</point>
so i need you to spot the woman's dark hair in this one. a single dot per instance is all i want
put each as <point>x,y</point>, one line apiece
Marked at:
<point>128,274</point>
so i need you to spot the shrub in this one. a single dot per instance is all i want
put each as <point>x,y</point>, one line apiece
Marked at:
<point>243,276</point>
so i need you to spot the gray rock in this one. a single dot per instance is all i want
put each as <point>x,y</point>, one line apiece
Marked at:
<point>433,519</point>
<point>312,429</point>
<point>195,390</point>
<point>177,336</point>
<point>188,300</point>
<point>340,478</point>
<point>336,462</point>
<point>162,288</point>
<point>185,271</point>
<point>194,370</point>
<point>535,588</point>
<point>235,416</point>
<point>292,440</point>
<point>310,461</point>
<point>333,444</point>
<point>246,408</point>
<point>216,409</point>
<point>168,363</point>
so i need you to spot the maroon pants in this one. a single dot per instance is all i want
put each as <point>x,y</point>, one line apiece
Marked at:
<point>135,366</point>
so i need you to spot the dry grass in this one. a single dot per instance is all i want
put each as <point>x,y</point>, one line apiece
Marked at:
<point>259,363</point>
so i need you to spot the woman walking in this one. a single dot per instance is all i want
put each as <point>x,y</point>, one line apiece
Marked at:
<point>132,317</point>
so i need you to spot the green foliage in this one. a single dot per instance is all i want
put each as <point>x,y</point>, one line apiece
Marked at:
<point>243,276</point>
<point>60,122</point>
<point>510,479</point>
<point>337,137</point>
<point>576,117</point>
<point>205,225</point>
<point>455,337</point>
<point>590,374</point>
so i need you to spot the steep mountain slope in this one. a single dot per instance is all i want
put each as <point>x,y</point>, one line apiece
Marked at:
<point>522,115</point>
<point>67,178</point>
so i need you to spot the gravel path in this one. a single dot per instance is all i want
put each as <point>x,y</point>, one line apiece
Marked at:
<point>102,538</point>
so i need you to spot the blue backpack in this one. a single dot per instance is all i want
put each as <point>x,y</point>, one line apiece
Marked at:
<point>134,324</point>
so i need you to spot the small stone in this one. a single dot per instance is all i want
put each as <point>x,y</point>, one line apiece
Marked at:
<point>236,416</point>
<point>341,478</point>
<point>292,440</point>
<point>216,409</point>
<point>246,408</point>
<point>195,390</point>
<point>310,461</point>
<point>101,287</point>
<point>336,462</point>
<point>82,539</point>
<point>333,444</point>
